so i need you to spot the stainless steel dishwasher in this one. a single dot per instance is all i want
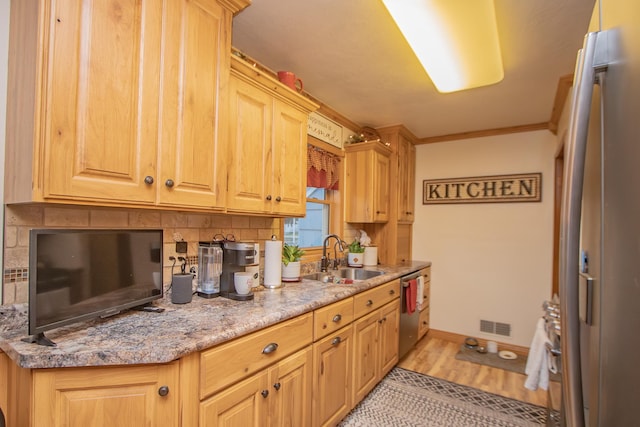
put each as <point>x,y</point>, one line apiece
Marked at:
<point>408,322</point>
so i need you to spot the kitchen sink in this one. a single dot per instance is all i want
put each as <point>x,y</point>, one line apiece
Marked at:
<point>344,273</point>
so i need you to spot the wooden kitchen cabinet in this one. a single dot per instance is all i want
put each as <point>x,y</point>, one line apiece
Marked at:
<point>375,347</point>
<point>118,103</point>
<point>267,170</point>
<point>423,325</point>
<point>116,396</point>
<point>277,396</point>
<point>332,364</point>
<point>406,180</point>
<point>367,167</point>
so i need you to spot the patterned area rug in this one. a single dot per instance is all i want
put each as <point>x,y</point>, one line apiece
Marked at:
<point>407,398</point>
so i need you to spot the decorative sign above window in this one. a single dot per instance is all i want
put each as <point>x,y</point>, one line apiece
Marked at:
<point>483,189</point>
<point>325,129</point>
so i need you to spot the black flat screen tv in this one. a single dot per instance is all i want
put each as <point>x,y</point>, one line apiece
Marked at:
<point>81,274</point>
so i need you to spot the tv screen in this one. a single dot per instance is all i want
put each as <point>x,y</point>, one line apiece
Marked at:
<point>81,274</point>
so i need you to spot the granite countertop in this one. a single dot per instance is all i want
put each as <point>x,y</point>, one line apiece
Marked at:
<point>139,337</point>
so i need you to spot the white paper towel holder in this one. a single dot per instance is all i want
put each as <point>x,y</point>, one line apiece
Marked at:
<point>272,263</point>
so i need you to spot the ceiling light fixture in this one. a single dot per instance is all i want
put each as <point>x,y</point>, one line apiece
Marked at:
<point>455,40</point>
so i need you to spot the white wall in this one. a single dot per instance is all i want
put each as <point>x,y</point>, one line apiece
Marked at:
<point>4,53</point>
<point>491,261</point>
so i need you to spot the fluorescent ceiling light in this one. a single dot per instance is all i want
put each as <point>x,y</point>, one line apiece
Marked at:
<point>455,40</point>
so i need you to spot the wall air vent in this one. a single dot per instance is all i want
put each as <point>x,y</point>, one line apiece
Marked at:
<point>496,328</point>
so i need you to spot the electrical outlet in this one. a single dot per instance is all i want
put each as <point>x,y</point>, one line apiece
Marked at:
<point>181,247</point>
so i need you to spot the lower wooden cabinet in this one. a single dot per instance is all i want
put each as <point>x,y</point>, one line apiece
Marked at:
<point>332,359</point>
<point>375,348</point>
<point>278,396</point>
<point>423,325</point>
<point>106,396</point>
<point>277,376</point>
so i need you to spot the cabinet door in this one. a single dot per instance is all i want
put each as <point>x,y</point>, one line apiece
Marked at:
<point>242,405</point>
<point>290,160</point>
<point>366,354</point>
<point>101,397</point>
<point>291,384</point>
<point>406,178</point>
<point>332,358</point>
<point>250,152</point>
<point>196,45</point>
<point>389,336</point>
<point>404,243</point>
<point>101,93</point>
<point>381,187</point>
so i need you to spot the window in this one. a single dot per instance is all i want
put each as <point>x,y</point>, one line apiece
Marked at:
<point>309,231</point>
<point>323,196</point>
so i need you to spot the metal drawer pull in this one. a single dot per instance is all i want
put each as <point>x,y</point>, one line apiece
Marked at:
<point>336,341</point>
<point>148,179</point>
<point>392,291</point>
<point>277,386</point>
<point>264,393</point>
<point>337,318</point>
<point>163,391</point>
<point>270,348</point>
<point>369,303</point>
<point>169,183</point>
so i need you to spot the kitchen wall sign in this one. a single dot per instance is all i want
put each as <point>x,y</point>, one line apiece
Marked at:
<point>325,129</point>
<point>483,189</point>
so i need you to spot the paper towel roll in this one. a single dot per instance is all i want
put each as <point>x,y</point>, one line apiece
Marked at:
<point>272,263</point>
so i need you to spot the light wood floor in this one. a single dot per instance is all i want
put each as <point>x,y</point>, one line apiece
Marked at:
<point>437,357</point>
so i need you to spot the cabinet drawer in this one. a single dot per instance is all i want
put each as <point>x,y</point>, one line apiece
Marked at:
<point>375,298</point>
<point>332,317</point>
<point>230,362</point>
<point>423,323</point>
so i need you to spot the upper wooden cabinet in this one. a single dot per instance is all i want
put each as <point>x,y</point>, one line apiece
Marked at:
<point>118,103</point>
<point>406,179</point>
<point>267,170</point>
<point>367,167</point>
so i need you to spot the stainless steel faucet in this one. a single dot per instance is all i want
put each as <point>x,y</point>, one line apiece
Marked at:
<point>324,261</point>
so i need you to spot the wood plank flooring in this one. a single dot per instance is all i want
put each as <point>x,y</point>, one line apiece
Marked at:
<point>437,357</point>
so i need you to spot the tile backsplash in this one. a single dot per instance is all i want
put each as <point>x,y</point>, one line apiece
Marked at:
<point>190,227</point>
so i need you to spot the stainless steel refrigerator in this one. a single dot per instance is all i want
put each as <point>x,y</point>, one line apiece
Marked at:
<point>600,227</point>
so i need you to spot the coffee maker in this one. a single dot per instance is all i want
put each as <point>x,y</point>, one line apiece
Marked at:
<point>236,256</point>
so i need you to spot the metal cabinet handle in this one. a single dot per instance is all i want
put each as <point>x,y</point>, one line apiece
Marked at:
<point>336,341</point>
<point>148,179</point>
<point>277,386</point>
<point>270,348</point>
<point>264,393</point>
<point>278,199</point>
<point>392,291</point>
<point>337,318</point>
<point>169,183</point>
<point>163,391</point>
<point>269,197</point>
<point>369,303</point>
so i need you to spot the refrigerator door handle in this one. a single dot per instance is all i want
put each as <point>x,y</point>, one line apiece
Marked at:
<point>586,299</point>
<point>591,60</point>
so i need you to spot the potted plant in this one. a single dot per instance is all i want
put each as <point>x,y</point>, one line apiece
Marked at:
<point>291,255</point>
<point>356,254</point>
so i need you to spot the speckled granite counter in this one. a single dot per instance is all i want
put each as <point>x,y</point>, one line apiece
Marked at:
<point>136,337</point>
